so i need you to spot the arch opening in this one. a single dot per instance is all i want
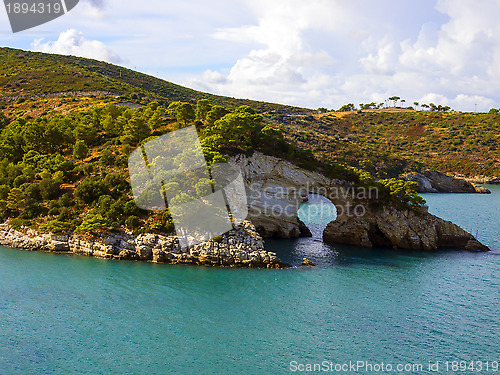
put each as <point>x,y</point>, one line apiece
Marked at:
<point>316,212</point>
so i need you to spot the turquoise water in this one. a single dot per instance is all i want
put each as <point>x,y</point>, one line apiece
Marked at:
<point>72,315</point>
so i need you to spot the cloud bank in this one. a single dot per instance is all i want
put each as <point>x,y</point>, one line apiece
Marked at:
<point>72,42</point>
<point>329,53</point>
<point>319,53</point>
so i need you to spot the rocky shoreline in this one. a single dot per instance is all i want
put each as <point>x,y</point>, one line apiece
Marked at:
<point>401,229</point>
<point>241,247</point>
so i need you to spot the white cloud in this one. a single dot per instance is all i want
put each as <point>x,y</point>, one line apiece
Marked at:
<point>467,47</point>
<point>281,64</point>
<point>381,63</point>
<point>72,42</point>
<point>314,53</point>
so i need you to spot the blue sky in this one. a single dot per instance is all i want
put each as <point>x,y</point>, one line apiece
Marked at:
<point>315,53</point>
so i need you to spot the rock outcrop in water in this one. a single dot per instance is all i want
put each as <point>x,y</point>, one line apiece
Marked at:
<point>388,227</point>
<point>435,182</point>
<point>276,188</point>
<point>242,247</point>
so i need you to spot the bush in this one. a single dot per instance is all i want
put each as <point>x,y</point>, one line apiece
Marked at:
<point>54,226</point>
<point>49,189</point>
<point>65,214</point>
<point>133,222</point>
<point>53,211</point>
<point>89,190</point>
<point>404,192</point>
<point>80,149</point>
<point>217,239</point>
<point>92,223</point>
<point>4,191</point>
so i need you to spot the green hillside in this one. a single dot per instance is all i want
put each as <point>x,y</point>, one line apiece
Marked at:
<point>395,141</point>
<point>388,142</point>
<point>27,74</point>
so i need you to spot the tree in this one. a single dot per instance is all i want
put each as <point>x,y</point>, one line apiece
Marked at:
<point>15,199</point>
<point>347,108</point>
<point>80,149</point>
<point>395,100</point>
<point>240,128</point>
<point>89,190</point>
<point>416,104</point>
<point>3,120</point>
<point>185,113</point>
<point>44,136</point>
<point>216,113</point>
<point>108,125</point>
<point>155,121</point>
<point>135,130</point>
<point>203,106</point>
<point>368,106</point>
<point>50,188</point>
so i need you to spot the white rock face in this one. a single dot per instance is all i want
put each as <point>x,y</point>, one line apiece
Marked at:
<point>435,182</point>
<point>275,190</point>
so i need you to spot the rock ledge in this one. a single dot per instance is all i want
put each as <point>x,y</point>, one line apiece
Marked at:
<point>241,247</point>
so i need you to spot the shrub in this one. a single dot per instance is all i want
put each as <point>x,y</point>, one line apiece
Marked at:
<point>92,223</point>
<point>89,190</point>
<point>80,149</point>
<point>54,226</point>
<point>133,222</point>
<point>49,189</point>
<point>404,192</point>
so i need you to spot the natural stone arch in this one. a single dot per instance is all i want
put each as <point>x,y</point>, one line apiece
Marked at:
<point>276,188</point>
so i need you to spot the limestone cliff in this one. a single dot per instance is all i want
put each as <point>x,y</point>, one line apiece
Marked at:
<point>276,188</point>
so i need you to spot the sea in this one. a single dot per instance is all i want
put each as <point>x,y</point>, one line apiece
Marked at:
<point>359,311</point>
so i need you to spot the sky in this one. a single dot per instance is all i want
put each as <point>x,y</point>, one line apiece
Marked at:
<point>308,53</point>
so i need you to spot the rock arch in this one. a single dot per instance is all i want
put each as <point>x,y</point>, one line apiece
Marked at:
<point>276,188</point>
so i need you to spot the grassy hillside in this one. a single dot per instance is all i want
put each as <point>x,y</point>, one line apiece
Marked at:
<point>27,74</point>
<point>394,141</point>
<point>383,142</point>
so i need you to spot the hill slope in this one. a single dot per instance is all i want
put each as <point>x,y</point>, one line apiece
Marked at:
<point>397,141</point>
<point>383,142</point>
<point>26,74</point>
